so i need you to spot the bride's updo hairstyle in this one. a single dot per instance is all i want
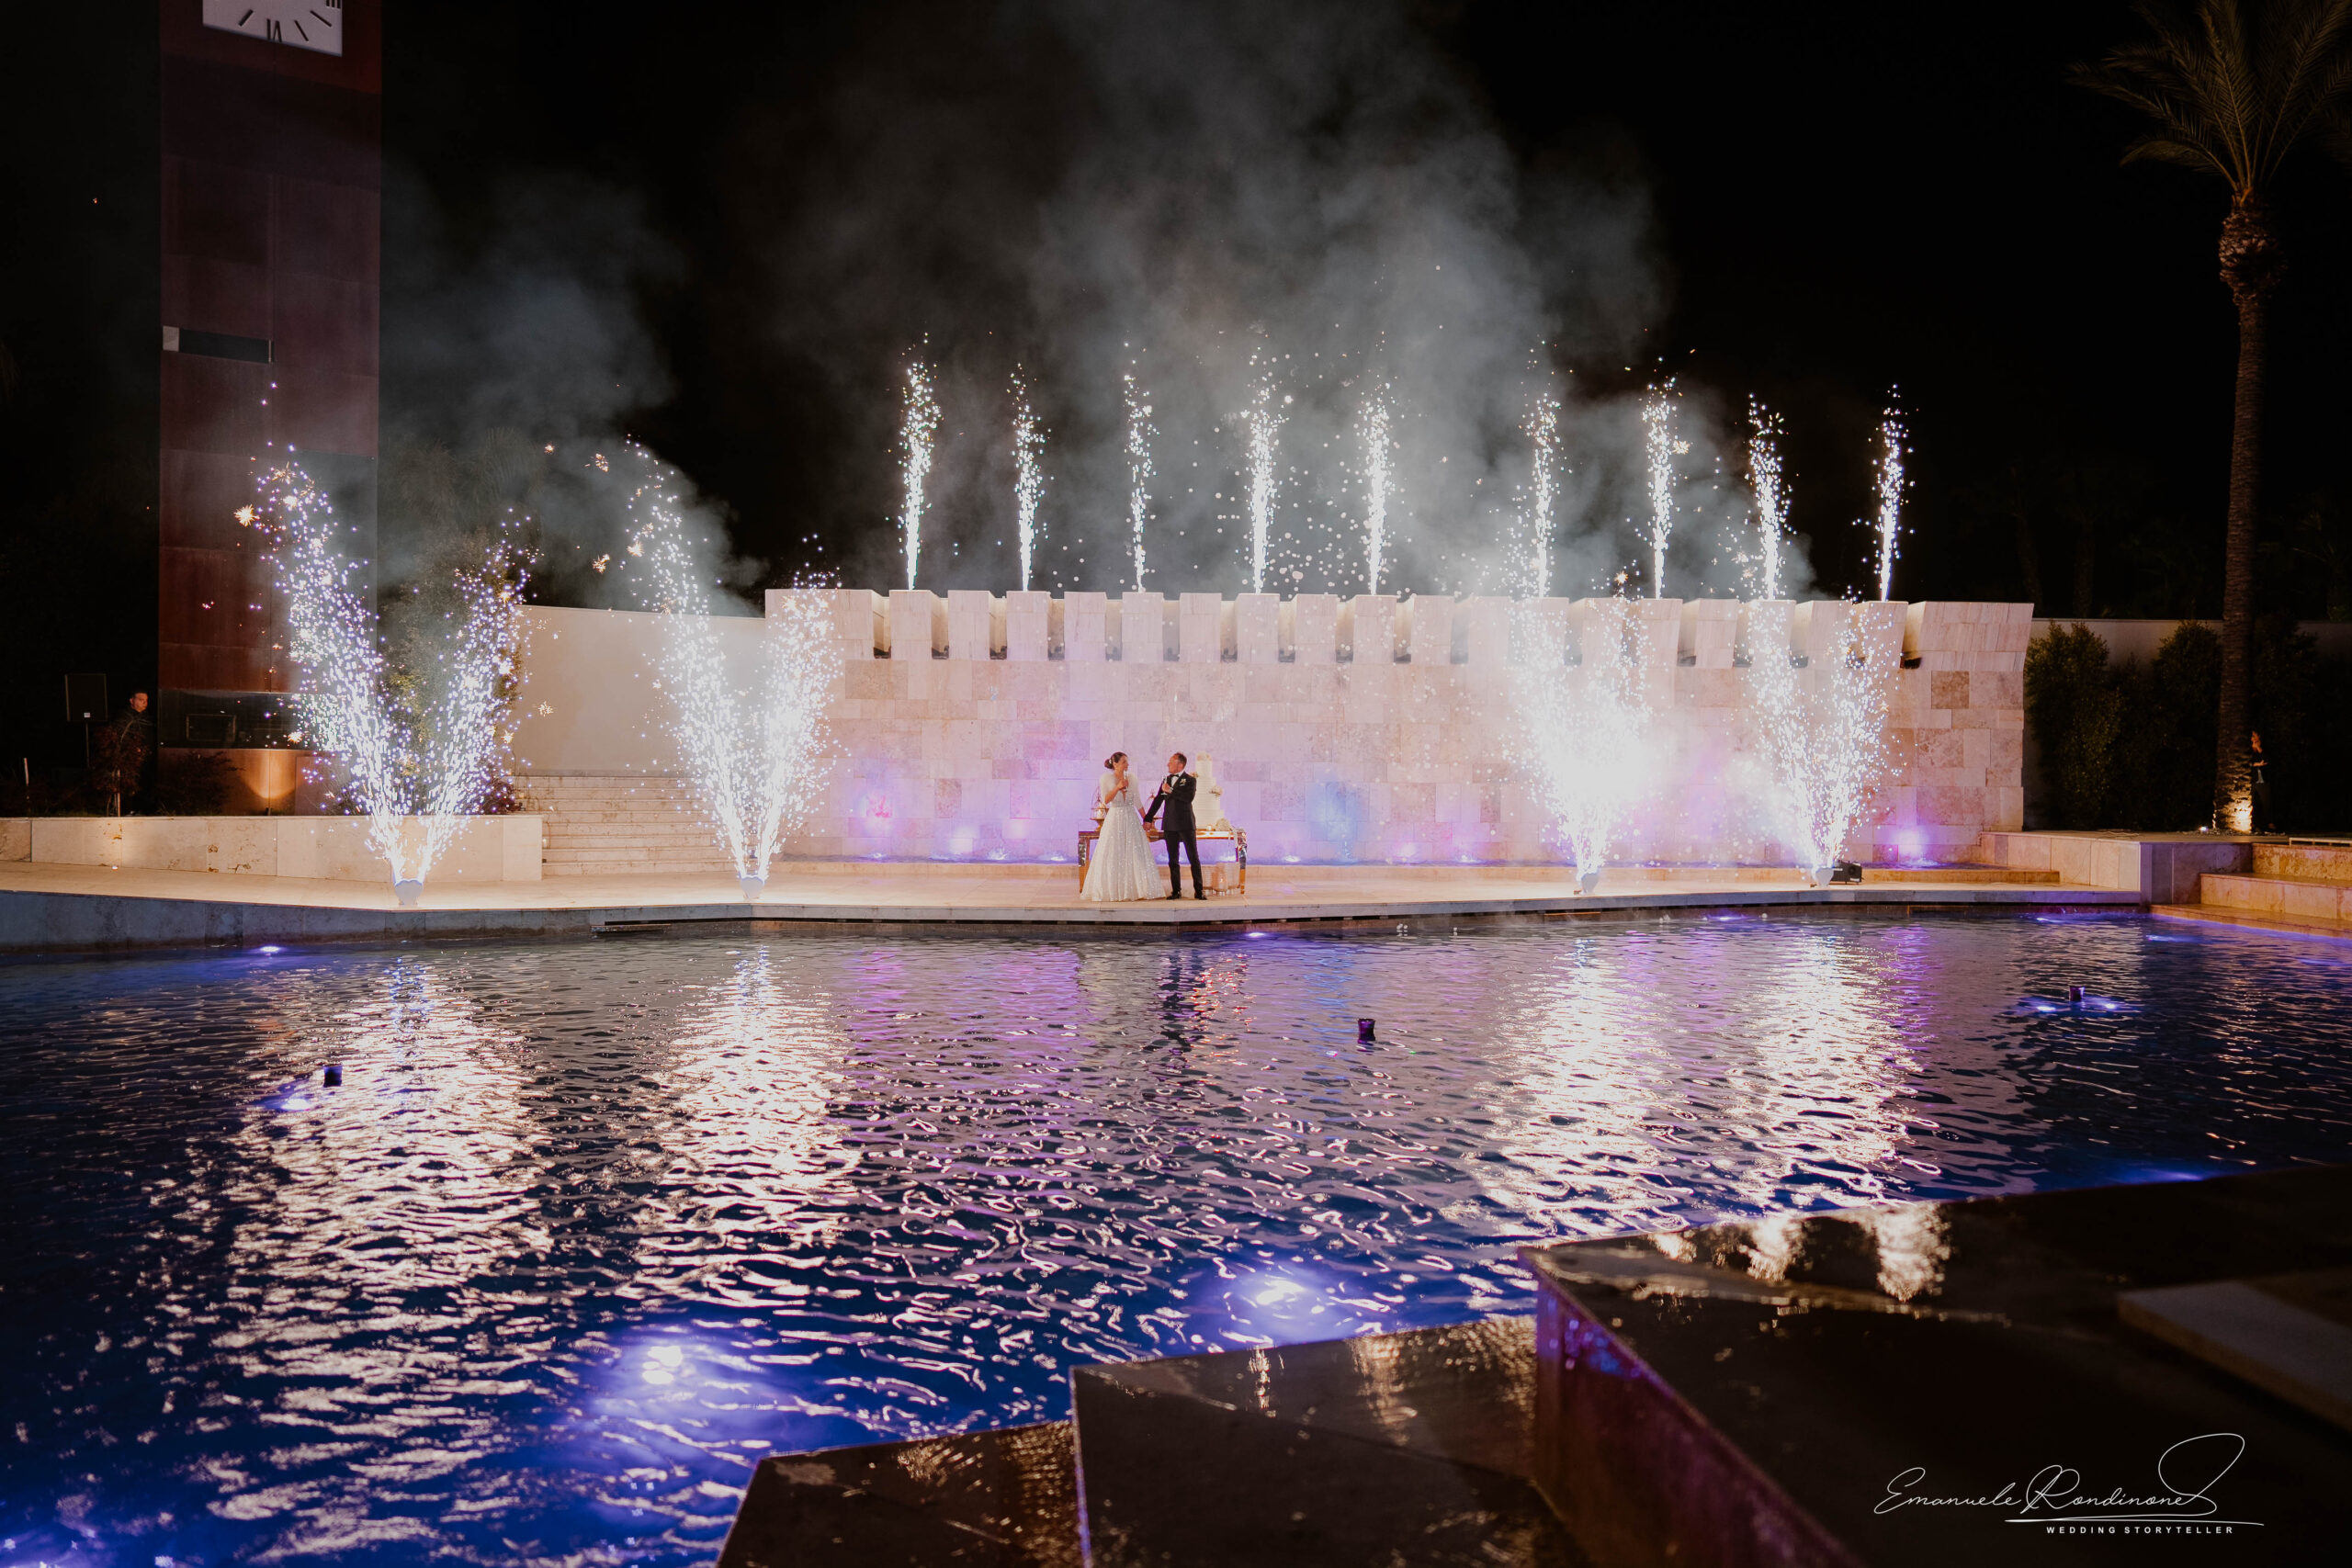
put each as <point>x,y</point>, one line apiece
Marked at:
<point>1110,764</point>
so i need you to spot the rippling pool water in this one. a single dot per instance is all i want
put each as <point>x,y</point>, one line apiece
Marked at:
<point>589,1227</point>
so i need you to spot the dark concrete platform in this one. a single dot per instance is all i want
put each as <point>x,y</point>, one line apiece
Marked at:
<point>1406,1450</point>
<point>1398,1448</point>
<point>1004,1499</point>
<point>1954,1383</point>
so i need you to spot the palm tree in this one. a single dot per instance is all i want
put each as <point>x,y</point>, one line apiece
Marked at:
<point>2236,86</point>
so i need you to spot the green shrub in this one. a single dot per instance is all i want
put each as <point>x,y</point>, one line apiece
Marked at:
<point>2163,762</point>
<point>2131,745</point>
<point>2284,698</point>
<point>2071,701</point>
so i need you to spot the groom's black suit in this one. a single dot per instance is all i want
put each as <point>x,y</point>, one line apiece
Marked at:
<point>1176,829</point>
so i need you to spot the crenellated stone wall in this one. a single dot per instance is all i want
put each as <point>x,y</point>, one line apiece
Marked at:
<point>972,726</point>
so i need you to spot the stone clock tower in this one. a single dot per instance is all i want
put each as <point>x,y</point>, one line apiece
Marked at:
<point>273,156</point>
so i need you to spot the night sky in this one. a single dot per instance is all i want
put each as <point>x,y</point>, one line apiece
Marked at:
<point>1836,203</point>
<point>1846,199</point>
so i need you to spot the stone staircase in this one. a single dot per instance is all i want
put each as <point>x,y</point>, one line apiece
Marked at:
<point>607,824</point>
<point>1409,1448</point>
<point>2302,885</point>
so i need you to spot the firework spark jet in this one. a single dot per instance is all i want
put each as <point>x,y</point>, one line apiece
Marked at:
<point>417,767</point>
<point>756,758</point>
<point>1263,425</point>
<point>1029,471</point>
<point>1657,424</point>
<point>1585,736</point>
<point>1771,489</point>
<point>919,429</point>
<point>1543,427</point>
<point>1139,434</point>
<point>1891,435</point>
<point>1379,471</point>
<point>1821,735</point>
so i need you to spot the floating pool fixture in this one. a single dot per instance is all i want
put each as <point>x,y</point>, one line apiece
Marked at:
<point>408,887</point>
<point>2075,997</point>
<point>753,886</point>
<point>1588,882</point>
<point>332,1077</point>
<point>1363,1031</point>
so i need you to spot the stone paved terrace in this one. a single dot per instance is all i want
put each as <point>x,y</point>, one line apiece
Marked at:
<point>59,907</point>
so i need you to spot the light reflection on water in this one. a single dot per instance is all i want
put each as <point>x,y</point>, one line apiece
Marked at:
<point>590,1227</point>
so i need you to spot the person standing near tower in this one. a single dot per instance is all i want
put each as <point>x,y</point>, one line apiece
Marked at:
<point>1176,828</point>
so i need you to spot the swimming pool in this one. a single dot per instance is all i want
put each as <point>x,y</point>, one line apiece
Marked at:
<point>589,1227</point>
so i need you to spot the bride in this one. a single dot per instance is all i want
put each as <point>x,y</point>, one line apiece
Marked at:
<point>1121,867</point>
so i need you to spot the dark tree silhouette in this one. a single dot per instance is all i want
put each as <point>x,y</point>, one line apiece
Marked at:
<point>2235,89</point>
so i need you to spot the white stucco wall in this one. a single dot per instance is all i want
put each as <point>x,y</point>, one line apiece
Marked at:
<point>973,726</point>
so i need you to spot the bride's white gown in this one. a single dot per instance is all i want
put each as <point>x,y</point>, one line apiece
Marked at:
<point>1121,867</point>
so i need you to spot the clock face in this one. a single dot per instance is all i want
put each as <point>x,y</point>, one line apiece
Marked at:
<point>304,24</point>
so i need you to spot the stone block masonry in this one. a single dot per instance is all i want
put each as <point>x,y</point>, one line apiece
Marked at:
<point>972,727</point>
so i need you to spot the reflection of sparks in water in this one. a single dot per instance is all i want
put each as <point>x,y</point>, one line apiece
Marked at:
<point>396,1205</point>
<point>1816,1110</point>
<point>1913,1248</point>
<point>750,1080</point>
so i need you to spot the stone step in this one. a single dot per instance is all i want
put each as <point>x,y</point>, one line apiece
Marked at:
<point>2285,898</point>
<point>2309,862</point>
<point>618,824</point>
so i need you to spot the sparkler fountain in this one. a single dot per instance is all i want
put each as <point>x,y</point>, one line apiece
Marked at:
<point>1891,435</point>
<point>1379,462</point>
<point>1822,732</point>
<point>756,758</point>
<point>1543,426</point>
<point>1658,421</point>
<point>1770,486</point>
<point>1585,736</point>
<point>1029,476</point>
<point>419,768</point>
<point>922,426</point>
<point>1264,423</point>
<point>1139,434</point>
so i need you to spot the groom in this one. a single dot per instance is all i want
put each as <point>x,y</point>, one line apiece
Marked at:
<point>1176,793</point>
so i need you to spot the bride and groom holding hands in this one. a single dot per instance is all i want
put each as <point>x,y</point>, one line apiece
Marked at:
<point>1121,868</point>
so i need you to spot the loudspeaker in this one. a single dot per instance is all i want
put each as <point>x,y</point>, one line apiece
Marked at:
<point>86,699</point>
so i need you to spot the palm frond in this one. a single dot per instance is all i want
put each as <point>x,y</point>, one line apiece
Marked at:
<point>2235,86</point>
